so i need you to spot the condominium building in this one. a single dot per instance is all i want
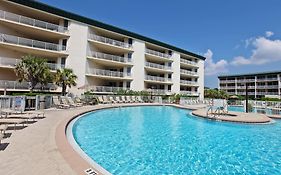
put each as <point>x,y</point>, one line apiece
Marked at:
<point>105,58</point>
<point>259,84</point>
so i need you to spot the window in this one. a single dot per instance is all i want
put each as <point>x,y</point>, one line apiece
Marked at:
<point>169,75</point>
<point>128,84</point>
<point>64,42</point>
<point>63,61</point>
<point>130,41</point>
<point>65,23</point>
<point>169,87</point>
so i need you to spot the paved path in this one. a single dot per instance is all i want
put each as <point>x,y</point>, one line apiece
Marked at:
<point>33,150</point>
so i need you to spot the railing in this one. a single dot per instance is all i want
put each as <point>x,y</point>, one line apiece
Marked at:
<point>189,93</point>
<point>188,82</point>
<point>12,62</point>
<point>159,91</point>
<point>244,87</point>
<point>14,85</point>
<point>227,81</point>
<point>106,88</point>
<point>30,43</point>
<point>188,72</point>
<point>188,62</point>
<point>267,93</point>
<point>31,22</point>
<point>246,80</point>
<point>158,66</point>
<point>244,93</point>
<point>155,78</point>
<point>109,41</point>
<point>227,87</point>
<point>268,79</point>
<point>108,73</point>
<point>110,57</point>
<point>268,87</point>
<point>156,53</point>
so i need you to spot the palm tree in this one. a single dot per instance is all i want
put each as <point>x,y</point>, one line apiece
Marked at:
<point>34,70</point>
<point>65,78</point>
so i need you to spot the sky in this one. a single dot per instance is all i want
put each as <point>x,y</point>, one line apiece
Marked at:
<point>235,36</point>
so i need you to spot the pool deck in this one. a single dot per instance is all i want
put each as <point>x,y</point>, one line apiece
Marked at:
<point>231,116</point>
<point>42,147</point>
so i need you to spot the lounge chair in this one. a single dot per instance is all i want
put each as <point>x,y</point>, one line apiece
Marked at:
<point>3,128</point>
<point>105,99</point>
<point>118,100</point>
<point>38,113</point>
<point>65,101</point>
<point>72,103</point>
<point>58,104</point>
<point>139,99</point>
<point>100,100</point>
<point>218,107</point>
<point>27,117</point>
<point>12,121</point>
<point>124,99</point>
<point>111,99</point>
<point>1,137</point>
<point>134,99</point>
<point>129,99</point>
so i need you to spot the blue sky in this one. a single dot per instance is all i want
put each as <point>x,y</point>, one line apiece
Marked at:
<point>236,36</point>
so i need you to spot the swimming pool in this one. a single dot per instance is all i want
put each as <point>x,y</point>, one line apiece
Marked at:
<point>169,140</point>
<point>255,110</point>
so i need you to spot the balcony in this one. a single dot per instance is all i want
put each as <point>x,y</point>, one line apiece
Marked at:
<point>267,93</point>
<point>39,47</point>
<point>189,83</point>
<point>12,62</point>
<point>246,80</point>
<point>189,63</point>
<point>115,45</point>
<point>24,86</point>
<point>102,73</point>
<point>227,81</point>
<point>268,87</point>
<point>158,79</point>
<point>31,22</point>
<point>158,55</point>
<point>244,93</point>
<point>191,93</point>
<point>159,91</point>
<point>189,73</point>
<point>158,67</point>
<point>102,89</point>
<point>268,79</point>
<point>227,87</point>
<point>244,87</point>
<point>109,59</point>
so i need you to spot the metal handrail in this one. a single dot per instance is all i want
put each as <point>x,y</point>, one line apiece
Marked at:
<point>32,22</point>
<point>188,82</point>
<point>109,57</point>
<point>109,41</point>
<point>158,66</point>
<point>30,43</point>
<point>104,72</point>
<point>187,61</point>
<point>5,84</point>
<point>106,88</point>
<point>155,78</point>
<point>188,72</point>
<point>160,54</point>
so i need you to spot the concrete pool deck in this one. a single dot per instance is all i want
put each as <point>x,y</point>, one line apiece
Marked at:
<point>42,147</point>
<point>231,116</point>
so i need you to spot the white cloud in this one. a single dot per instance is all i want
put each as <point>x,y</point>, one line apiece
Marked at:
<point>212,68</point>
<point>269,33</point>
<point>264,51</point>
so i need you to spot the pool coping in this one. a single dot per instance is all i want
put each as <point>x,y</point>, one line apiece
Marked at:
<point>76,158</point>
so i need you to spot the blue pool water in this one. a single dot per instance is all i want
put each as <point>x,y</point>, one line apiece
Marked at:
<point>168,140</point>
<point>255,110</point>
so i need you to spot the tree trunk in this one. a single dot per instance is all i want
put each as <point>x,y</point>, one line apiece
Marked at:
<point>63,89</point>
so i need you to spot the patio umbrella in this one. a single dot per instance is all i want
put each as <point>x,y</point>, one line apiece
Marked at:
<point>234,97</point>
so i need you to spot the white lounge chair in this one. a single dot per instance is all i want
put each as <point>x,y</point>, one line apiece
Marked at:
<point>118,100</point>
<point>124,99</point>
<point>134,99</point>
<point>139,99</point>
<point>72,103</point>
<point>129,99</point>
<point>58,104</point>
<point>15,122</point>
<point>3,128</point>
<point>105,99</point>
<point>1,137</point>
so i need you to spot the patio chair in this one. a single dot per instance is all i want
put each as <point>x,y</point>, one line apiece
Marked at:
<point>3,128</point>
<point>72,103</point>
<point>58,104</point>
<point>105,99</point>
<point>117,98</point>
<point>139,99</point>
<point>134,99</point>
<point>111,99</point>
<point>1,137</point>
<point>129,99</point>
<point>124,99</point>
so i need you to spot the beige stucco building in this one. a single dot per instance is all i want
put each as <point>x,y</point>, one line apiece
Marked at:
<point>105,58</point>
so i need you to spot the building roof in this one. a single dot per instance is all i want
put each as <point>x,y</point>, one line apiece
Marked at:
<point>53,10</point>
<point>250,74</point>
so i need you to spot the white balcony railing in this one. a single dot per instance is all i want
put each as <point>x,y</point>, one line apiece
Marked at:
<point>31,22</point>
<point>155,78</point>
<point>4,38</point>
<point>188,62</point>
<point>193,93</point>
<point>188,82</point>
<point>109,41</point>
<point>157,66</point>
<point>227,81</point>
<point>244,87</point>
<point>15,85</point>
<point>159,91</point>
<point>105,88</point>
<point>109,57</point>
<point>227,87</point>
<point>268,79</point>
<point>156,53</point>
<point>12,62</point>
<point>107,73</point>
<point>188,72</point>
<point>246,80</point>
<point>268,87</point>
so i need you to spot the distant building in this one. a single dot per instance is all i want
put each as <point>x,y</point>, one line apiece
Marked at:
<point>105,58</point>
<point>259,84</point>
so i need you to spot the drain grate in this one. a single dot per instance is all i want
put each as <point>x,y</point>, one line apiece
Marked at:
<point>90,171</point>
